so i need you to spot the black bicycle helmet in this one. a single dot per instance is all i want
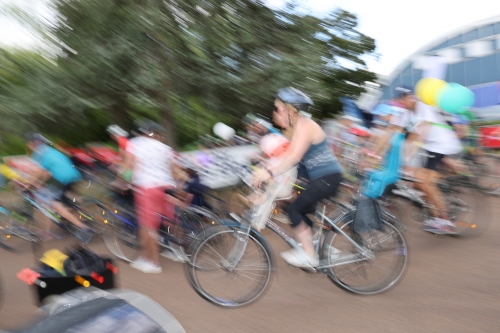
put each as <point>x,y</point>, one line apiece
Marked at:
<point>295,97</point>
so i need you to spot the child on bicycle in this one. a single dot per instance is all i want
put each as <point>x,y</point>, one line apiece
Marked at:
<point>57,175</point>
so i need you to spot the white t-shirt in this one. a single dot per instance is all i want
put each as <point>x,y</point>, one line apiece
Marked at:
<point>152,163</point>
<point>404,118</point>
<point>440,138</point>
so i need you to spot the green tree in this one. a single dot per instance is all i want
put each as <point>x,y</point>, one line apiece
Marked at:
<point>188,64</point>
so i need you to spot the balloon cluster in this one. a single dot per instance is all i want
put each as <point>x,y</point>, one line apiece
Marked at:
<point>449,97</point>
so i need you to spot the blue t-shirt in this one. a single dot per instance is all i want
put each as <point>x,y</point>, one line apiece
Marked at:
<point>58,164</point>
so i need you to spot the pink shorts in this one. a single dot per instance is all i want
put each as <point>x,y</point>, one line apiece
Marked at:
<point>149,203</point>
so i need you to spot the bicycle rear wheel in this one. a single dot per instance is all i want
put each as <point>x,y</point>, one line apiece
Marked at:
<point>18,230</point>
<point>366,276</point>
<point>228,268</point>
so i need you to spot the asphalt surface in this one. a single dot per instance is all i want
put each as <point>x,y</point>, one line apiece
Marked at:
<point>452,285</point>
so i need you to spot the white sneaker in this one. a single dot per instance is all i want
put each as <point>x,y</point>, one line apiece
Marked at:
<point>299,258</point>
<point>151,268</point>
<point>139,264</point>
<point>439,226</point>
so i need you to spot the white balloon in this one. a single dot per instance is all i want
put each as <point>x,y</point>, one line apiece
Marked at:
<point>224,131</point>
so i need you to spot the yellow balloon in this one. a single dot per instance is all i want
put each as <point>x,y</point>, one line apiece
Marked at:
<point>427,90</point>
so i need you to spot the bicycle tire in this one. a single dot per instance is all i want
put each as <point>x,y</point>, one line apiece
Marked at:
<point>122,238</point>
<point>191,224</point>
<point>486,170</point>
<point>464,209</point>
<point>94,214</point>
<point>17,230</point>
<point>359,268</point>
<point>215,237</point>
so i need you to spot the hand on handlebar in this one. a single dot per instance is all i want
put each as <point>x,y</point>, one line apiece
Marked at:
<point>261,176</point>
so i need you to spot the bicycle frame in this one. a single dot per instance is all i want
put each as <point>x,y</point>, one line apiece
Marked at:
<point>51,214</point>
<point>240,246</point>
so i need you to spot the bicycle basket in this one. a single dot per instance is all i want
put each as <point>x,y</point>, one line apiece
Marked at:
<point>368,215</point>
<point>261,213</point>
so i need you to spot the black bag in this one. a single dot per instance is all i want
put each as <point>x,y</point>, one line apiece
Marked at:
<point>368,215</point>
<point>83,262</point>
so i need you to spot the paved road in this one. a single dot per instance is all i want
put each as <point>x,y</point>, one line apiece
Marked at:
<point>452,285</point>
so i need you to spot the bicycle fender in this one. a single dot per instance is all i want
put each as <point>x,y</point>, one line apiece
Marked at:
<point>268,248</point>
<point>394,221</point>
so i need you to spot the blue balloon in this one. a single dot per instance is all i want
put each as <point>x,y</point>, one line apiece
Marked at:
<point>456,98</point>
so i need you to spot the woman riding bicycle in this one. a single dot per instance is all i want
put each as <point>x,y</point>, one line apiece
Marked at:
<point>309,147</point>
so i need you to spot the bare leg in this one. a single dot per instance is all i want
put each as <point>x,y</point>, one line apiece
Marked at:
<point>150,247</point>
<point>304,235</point>
<point>455,165</point>
<point>428,179</point>
<point>64,212</point>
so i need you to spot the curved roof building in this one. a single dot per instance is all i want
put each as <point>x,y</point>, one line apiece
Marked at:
<point>473,57</point>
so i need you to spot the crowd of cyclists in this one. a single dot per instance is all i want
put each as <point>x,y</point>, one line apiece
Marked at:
<point>291,138</point>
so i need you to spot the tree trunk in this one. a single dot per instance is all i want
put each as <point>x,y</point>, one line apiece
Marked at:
<point>119,115</point>
<point>167,120</point>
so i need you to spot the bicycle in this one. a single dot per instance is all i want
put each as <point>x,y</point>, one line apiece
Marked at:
<point>460,199</point>
<point>242,253</point>
<point>18,223</point>
<point>122,234</point>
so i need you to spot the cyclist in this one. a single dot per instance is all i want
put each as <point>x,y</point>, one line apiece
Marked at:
<point>56,171</point>
<point>308,145</point>
<point>428,129</point>
<point>150,161</point>
<point>439,142</point>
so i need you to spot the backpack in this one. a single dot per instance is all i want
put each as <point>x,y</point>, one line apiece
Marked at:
<point>368,215</point>
<point>83,262</point>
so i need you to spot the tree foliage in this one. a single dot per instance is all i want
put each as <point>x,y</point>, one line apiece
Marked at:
<point>186,64</point>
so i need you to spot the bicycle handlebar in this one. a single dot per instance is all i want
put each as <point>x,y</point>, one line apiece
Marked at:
<point>22,184</point>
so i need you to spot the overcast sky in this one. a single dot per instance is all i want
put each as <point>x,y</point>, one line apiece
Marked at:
<point>399,27</point>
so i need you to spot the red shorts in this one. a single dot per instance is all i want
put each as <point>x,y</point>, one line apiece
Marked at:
<point>149,203</point>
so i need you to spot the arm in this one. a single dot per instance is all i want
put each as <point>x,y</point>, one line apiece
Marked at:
<point>301,141</point>
<point>128,160</point>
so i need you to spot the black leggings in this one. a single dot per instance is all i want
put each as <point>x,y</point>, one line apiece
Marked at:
<point>318,189</point>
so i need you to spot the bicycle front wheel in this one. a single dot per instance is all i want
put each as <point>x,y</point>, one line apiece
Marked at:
<point>229,268</point>
<point>94,214</point>
<point>468,209</point>
<point>121,235</point>
<point>349,270</point>
<point>486,169</point>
